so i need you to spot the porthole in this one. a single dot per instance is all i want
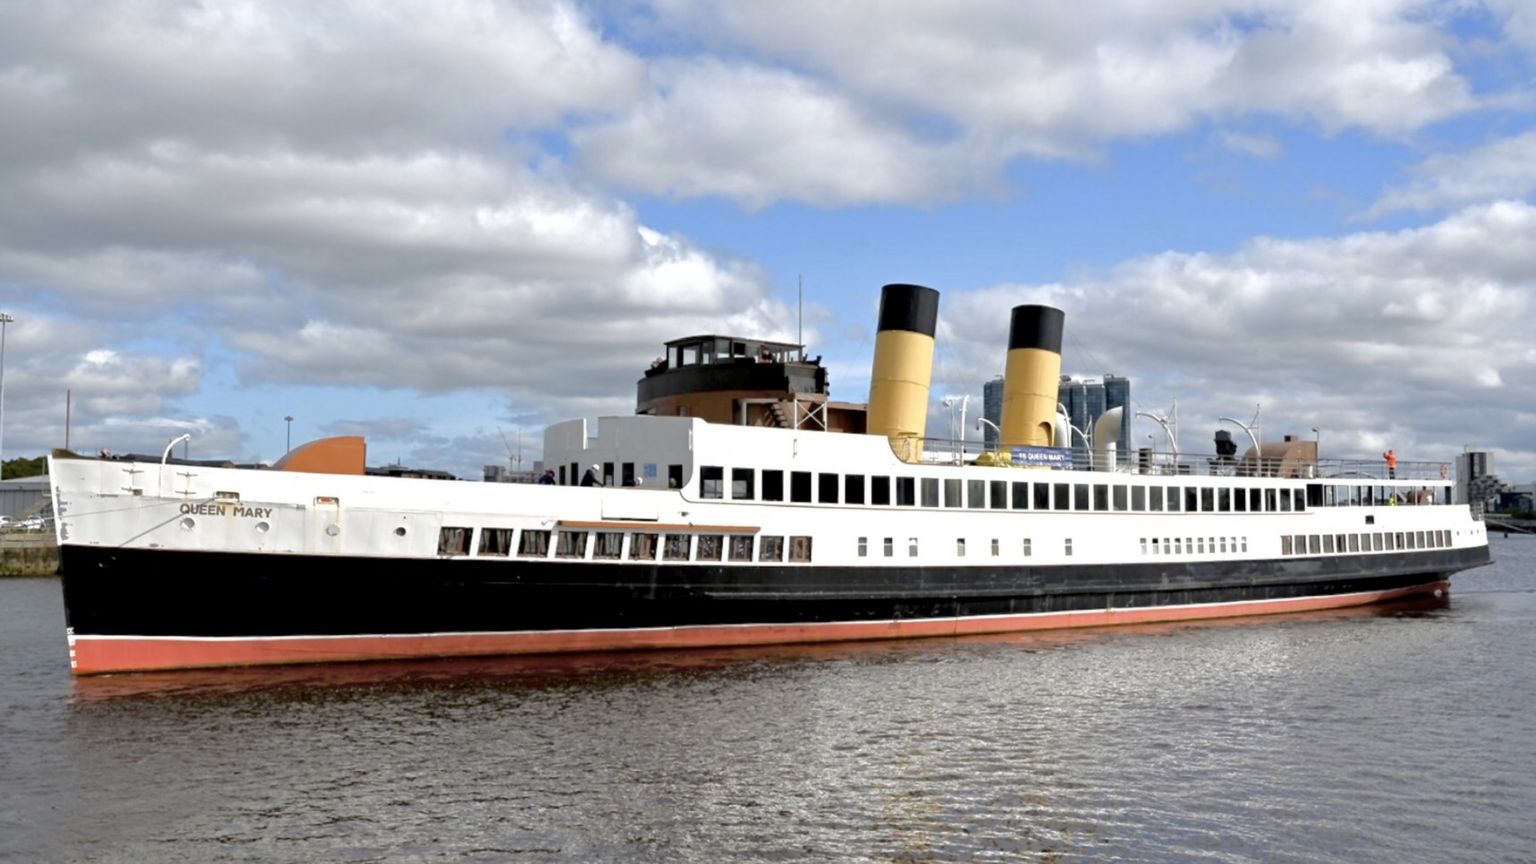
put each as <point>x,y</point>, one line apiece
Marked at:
<point>262,527</point>
<point>400,532</point>
<point>188,524</point>
<point>332,530</point>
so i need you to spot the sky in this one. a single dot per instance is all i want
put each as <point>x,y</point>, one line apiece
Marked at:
<point>446,224</point>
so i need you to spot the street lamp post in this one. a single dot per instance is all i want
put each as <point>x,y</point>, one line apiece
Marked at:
<point>5,318</point>
<point>288,435</point>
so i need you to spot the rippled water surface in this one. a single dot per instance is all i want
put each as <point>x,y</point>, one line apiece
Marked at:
<point>1404,734</point>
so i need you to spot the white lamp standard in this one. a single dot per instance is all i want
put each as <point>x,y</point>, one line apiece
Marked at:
<point>5,318</point>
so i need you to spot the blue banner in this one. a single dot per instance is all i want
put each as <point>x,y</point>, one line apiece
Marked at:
<point>1042,457</point>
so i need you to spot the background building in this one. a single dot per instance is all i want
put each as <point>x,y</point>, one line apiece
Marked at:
<point>1086,400</point>
<point>992,409</point>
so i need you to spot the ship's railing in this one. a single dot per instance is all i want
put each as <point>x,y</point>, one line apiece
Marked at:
<point>943,451</point>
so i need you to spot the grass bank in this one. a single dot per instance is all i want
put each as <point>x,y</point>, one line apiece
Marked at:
<point>28,555</point>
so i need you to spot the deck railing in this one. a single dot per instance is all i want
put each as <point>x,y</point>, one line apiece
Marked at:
<point>942,451</point>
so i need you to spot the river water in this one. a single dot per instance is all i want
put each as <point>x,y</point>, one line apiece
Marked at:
<point>1401,734</point>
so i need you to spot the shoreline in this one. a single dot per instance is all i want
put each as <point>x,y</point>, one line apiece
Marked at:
<point>23,556</point>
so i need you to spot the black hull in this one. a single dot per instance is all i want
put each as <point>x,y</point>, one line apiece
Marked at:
<point>125,592</point>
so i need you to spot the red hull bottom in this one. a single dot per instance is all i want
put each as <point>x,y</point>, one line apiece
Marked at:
<point>94,655</point>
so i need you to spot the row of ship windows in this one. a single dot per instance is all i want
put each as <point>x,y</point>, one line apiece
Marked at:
<point>1379,541</point>
<point>611,545</point>
<point>1193,545</point>
<point>750,484</point>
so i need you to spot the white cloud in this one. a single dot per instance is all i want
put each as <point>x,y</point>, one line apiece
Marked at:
<point>1257,146</point>
<point>757,134</point>
<point>1505,168</point>
<point>919,101</point>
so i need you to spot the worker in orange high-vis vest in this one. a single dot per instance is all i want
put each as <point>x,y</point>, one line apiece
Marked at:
<point>1391,457</point>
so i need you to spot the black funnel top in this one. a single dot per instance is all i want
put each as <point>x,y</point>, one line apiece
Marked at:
<point>909,307</point>
<point>1036,327</point>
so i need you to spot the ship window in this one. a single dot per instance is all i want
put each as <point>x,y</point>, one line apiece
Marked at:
<point>853,488</point>
<point>1223,544</point>
<point>976,494</point>
<point>1063,496</point>
<point>826,488</point>
<point>1080,499</point>
<point>608,545</point>
<point>690,355</point>
<point>800,487</point>
<point>1314,544</point>
<point>996,548</point>
<point>880,491</point>
<point>562,475</point>
<point>773,485</point>
<point>952,493</point>
<point>1020,496</point>
<point>1138,498</point>
<point>1155,499</point>
<point>1370,520</point>
<point>674,476</point>
<point>1327,544</point>
<point>1254,497</point>
<point>1029,550</point>
<point>453,541</point>
<point>1285,544</point>
<point>770,548</point>
<point>710,547</point>
<point>1178,546</point>
<point>676,547</point>
<point>496,541</point>
<point>1117,497</point>
<point>930,491</point>
<point>999,490</point>
<point>533,544</point>
<point>1042,496</point>
<point>1339,542</point>
<point>741,484</point>
<point>800,549</point>
<point>627,474</point>
<point>741,547</point>
<point>1224,500</point>
<point>911,547</point>
<point>1301,501</point>
<point>1207,499</point>
<point>1200,545</point>
<point>1354,542</point>
<point>1269,501</point>
<point>1100,496</point>
<point>906,491</point>
<point>711,481</point>
<point>1156,549</point>
<point>863,547</point>
<point>890,547</point>
<point>1173,499</point>
<point>1314,493</point>
<point>959,547</point>
<point>642,547</point>
<point>1285,500</point>
<point>1245,544</point>
<point>607,473</point>
<point>1240,500</point>
<point>571,544</point>
<point>1068,547</point>
<point>1376,542</point>
<point>1143,545</point>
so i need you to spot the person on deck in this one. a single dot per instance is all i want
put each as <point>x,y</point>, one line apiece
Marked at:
<point>1391,457</point>
<point>547,478</point>
<point>592,478</point>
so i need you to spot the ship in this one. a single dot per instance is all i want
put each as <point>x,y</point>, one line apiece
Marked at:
<point>740,505</point>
